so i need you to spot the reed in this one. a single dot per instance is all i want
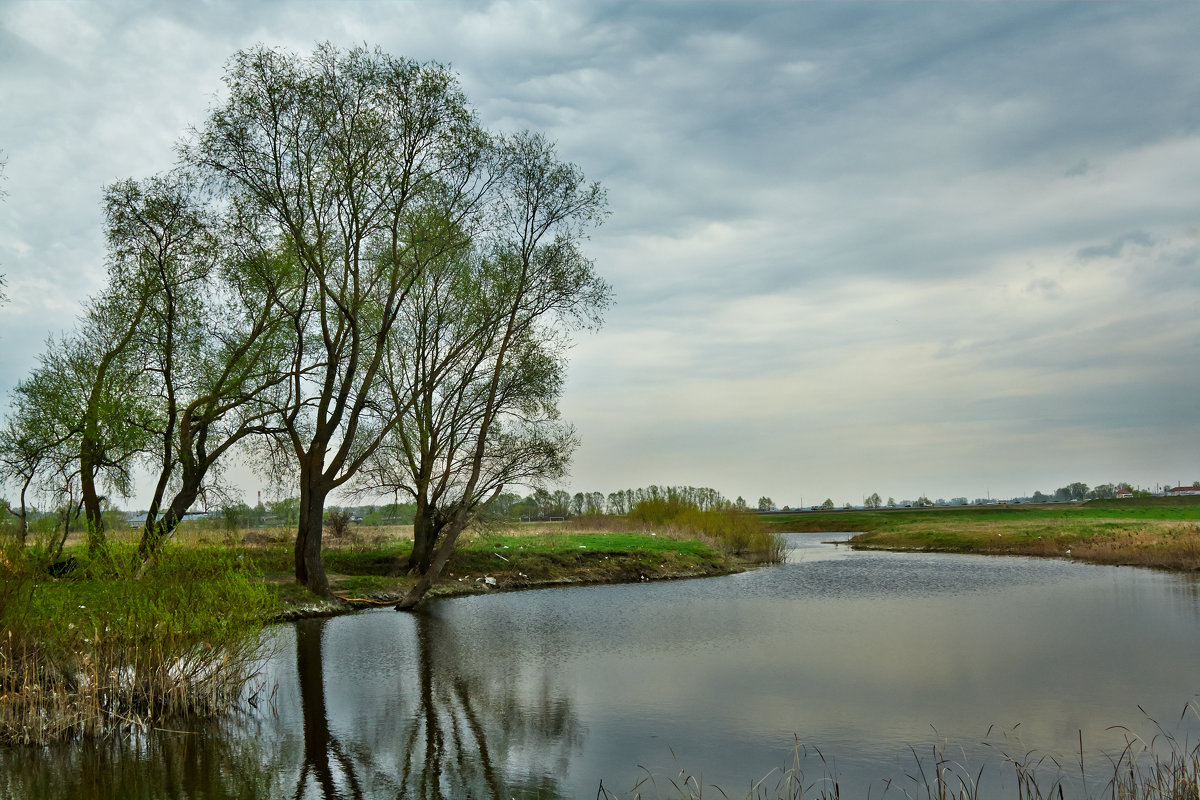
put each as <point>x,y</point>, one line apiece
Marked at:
<point>1161,767</point>
<point>100,652</point>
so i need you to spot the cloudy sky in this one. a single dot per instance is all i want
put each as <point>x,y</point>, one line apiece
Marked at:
<point>945,249</point>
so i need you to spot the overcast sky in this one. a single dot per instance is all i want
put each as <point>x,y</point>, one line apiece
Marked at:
<point>907,248</point>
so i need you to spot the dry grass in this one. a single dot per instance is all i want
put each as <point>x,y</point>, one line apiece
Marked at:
<point>1162,544</point>
<point>736,533</point>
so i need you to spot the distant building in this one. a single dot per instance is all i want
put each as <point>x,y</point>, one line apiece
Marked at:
<point>1123,494</point>
<point>139,520</point>
<point>1181,491</point>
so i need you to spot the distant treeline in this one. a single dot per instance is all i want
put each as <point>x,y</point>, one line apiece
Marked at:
<point>538,505</point>
<point>1080,491</point>
<point>543,504</point>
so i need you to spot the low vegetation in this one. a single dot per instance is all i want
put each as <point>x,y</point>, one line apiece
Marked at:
<point>1163,533</point>
<point>734,530</point>
<point>97,651</point>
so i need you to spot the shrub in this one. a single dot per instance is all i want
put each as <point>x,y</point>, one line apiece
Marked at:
<point>337,523</point>
<point>737,532</point>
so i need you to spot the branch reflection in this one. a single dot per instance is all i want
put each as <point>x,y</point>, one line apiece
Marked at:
<point>460,727</point>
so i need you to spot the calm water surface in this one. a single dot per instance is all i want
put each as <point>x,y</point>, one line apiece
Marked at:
<point>547,693</point>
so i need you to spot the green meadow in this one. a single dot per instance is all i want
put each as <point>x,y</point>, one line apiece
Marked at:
<point>1159,532</point>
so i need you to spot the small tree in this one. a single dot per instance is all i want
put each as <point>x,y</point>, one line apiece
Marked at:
<point>25,452</point>
<point>828,503</point>
<point>89,392</point>
<point>766,504</point>
<point>874,501</point>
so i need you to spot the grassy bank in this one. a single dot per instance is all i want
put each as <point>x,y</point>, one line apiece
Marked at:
<point>516,557</point>
<point>97,651</point>
<point>1162,533</point>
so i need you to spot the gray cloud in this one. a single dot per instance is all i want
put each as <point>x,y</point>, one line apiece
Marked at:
<point>1115,247</point>
<point>851,243</point>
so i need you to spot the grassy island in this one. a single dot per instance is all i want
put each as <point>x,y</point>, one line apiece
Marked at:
<point>1159,532</point>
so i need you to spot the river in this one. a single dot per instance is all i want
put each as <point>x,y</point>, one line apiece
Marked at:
<point>860,663</point>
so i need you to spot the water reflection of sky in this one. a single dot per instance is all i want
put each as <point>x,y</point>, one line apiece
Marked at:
<point>860,654</point>
<point>546,693</point>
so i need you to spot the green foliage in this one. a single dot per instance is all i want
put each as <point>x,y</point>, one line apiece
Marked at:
<point>235,516</point>
<point>390,514</point>
<point>287,510</point>
<point>660,510</point>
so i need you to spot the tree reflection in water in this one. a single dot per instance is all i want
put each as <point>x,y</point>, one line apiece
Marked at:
<point>319,744</point>
<point>460,734</point>
<point>459,726</point>
<point>206,763</point>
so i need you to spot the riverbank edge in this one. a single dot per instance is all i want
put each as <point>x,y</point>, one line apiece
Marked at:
<point>339,605</point>
<point>1114,557</point>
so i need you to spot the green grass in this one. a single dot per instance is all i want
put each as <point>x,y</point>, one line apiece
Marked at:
<point>1155,508</point>
<point>1154,532</point>
<point>517,557</point>
<point>612,543</point>
<point>101,650</point>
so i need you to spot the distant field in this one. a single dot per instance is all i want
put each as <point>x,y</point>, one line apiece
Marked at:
<point>1162,532</point>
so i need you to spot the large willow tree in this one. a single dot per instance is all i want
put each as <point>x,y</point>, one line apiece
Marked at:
<point>364,167</point>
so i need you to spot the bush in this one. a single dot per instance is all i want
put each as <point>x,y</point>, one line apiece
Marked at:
<point>337,523</point>
<point>737,532</point>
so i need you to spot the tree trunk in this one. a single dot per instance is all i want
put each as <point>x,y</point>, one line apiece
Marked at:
<point>444,551</point>
<point>161,529</point>
<point>310,569</point>
<point>424,538</point>
<point>22,519</point>
<point>92,516</point>
<point>158,531</point>
<point>23,516</point>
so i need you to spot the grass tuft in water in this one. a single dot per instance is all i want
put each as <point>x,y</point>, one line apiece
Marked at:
<point>1163,767</point>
